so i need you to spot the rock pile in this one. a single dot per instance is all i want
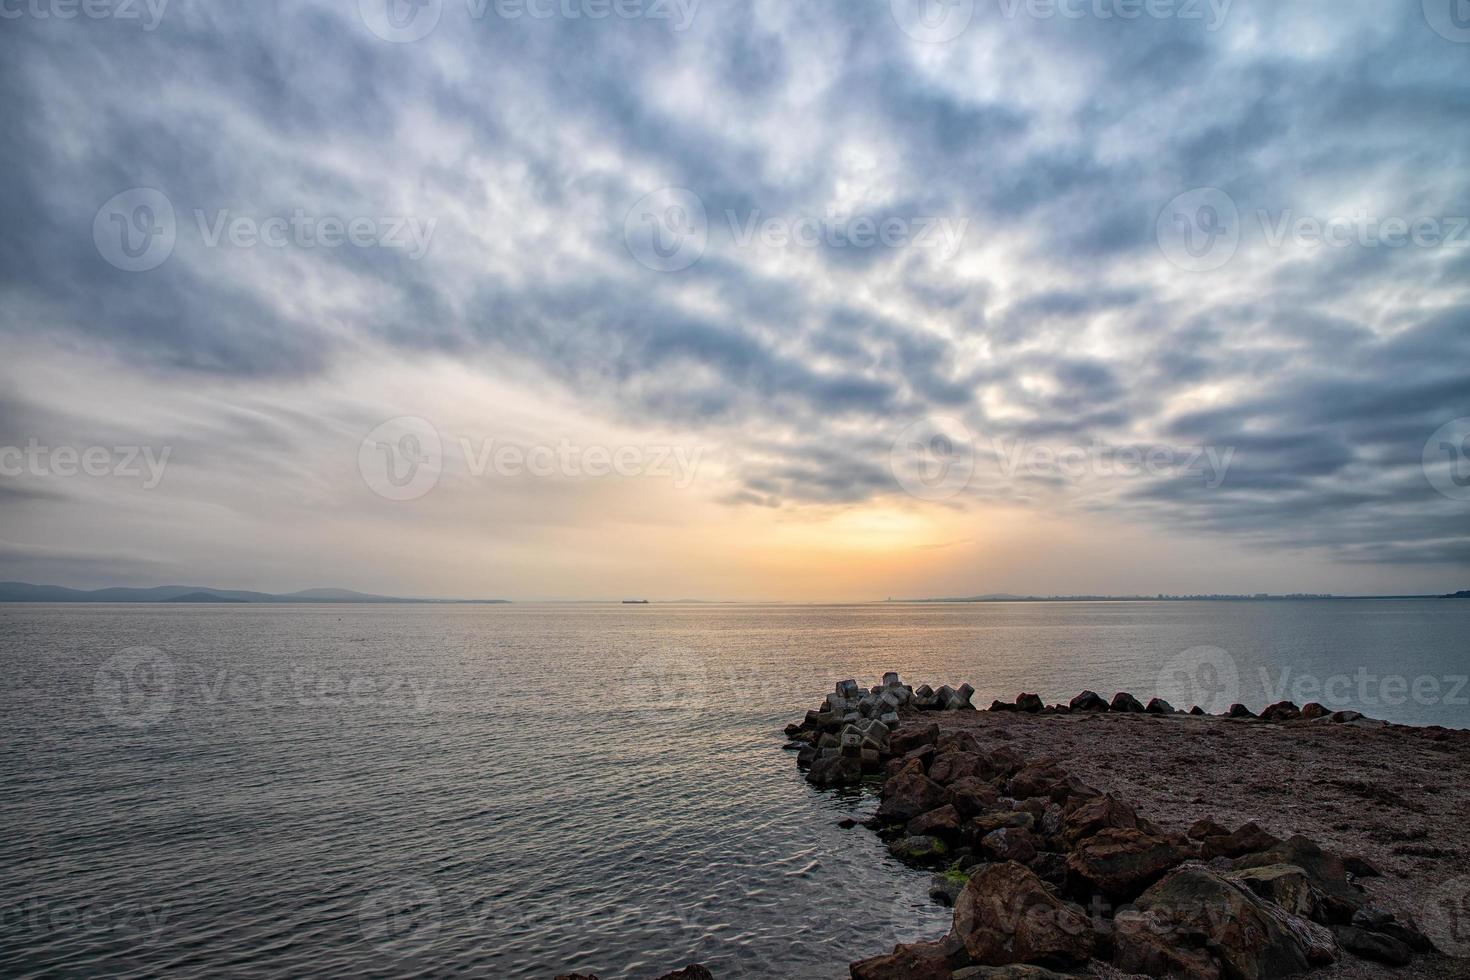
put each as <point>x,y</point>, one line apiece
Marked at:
<point>1048,873</point>
<point>849,735</point>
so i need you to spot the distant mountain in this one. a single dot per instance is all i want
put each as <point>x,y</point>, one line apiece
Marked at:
<point>26,592</point>
<point>208,597</point>
<point>1465,594</point>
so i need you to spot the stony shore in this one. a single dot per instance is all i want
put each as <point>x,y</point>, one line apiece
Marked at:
<point>1111,838</point>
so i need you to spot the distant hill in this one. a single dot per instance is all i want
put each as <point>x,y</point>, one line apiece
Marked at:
<point>209,597</point>
<point>26,592</point>
<point>1457,595</point>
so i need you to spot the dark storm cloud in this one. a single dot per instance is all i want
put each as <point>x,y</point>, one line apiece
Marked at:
<point>1058,141</point>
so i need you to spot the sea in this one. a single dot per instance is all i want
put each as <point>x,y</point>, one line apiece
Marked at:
<point>524,790</point>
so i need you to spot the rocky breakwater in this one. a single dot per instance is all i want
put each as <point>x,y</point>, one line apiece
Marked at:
<point>850,735</point>
<point>1050,876</point>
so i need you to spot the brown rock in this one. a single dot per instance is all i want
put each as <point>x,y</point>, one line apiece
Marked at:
<point>1048,780</point>
<point>954,765</point>
<point>1029,703</point>
<point>1326,870</point>
<point>1239,711</point>
<point>1002,763</point>
<point>1284,884</point>
<point>971,796</point>
<point>1015,971</point>
<point>907,796</point>
<point>912,736</point>
<point>1144,946</point>
<point>1123,701</point>
<point>915,961</point>
<point>1158,706</point>
<point>958,742</point>
<point>1006,915</point>
<point>1011,844</point>
<point>1373,946</point>
<point>1282,711</point>
<point>835,770</point>
<point>1207,926</point>
<point>1088,701</point>
<point>1312,711</point>
<point>1249,839</point>
<point>695,972</point>
<point>1121,862</point>
<point>1018,819</point>
<point>1207,828</point>
<point>1098,813</point>
<point>943,822</point>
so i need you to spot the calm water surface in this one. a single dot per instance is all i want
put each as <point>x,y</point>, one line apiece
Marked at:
<point>513,791</point>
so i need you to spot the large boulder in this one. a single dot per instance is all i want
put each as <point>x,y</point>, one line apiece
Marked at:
<point>1007,915</point>
<point>971,796</point>
<point>1088,701</point>
<point>912,736</point>
<point>1098,813</point>
<point>950,766</point>
<point>918,850</point>
<point>1158,706</point>
<point>1048,781</point>
<point>915,961</point>
<point>1284,884</point>
<point>944,822</point>
<point>907,796</point>
<point>1029,703</point>
<point>1123,701</point>
<point>1196,923</point>
<point>1282,711</point>
<point>1120,862</point>
<point>1326,870</point>
<point>1011,844</point>
<point>835,770</point>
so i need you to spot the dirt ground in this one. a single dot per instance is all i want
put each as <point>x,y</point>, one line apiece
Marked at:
<point>1398,796</point>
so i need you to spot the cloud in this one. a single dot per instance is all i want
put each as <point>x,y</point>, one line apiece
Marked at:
<point>1056,319</point>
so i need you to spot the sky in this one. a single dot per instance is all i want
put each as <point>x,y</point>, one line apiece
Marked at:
<point>804,300</point>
